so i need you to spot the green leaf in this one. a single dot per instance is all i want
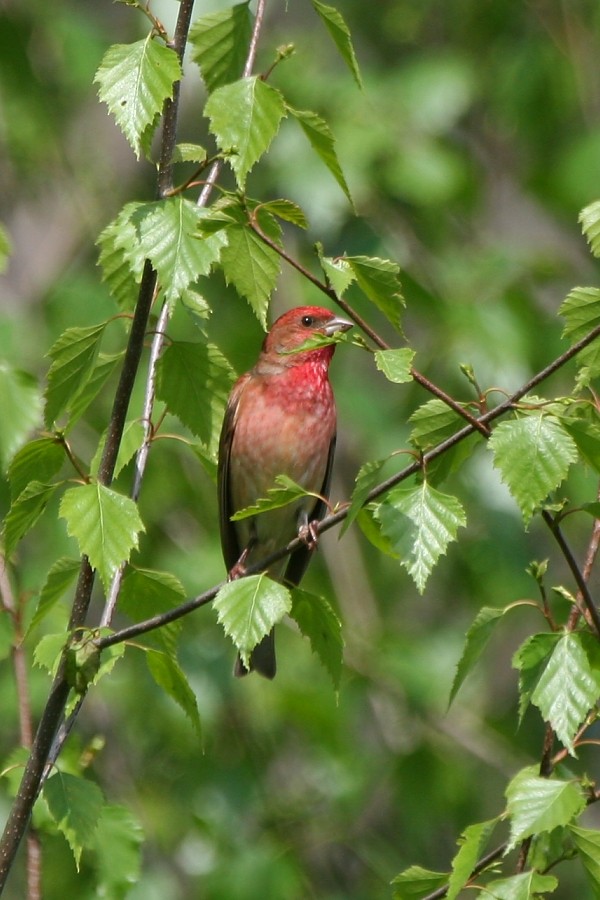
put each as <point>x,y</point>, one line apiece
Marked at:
<point>101,372</point>
<point>38,460</point>
<point>587,842</point>
<point>75,805</point>
<point>5,249</point>
<point>396,365</point>
<point>581,311</point>
<point>194,381</point>
<point>20,409</point>
<point>286,210</point>
<point>586,434</point>
<point>531,659</point>
<point>322,141</point>
<point>337,271</point>
<point>569,686</point>
<point>369,475</point>
<point>340,33</point>
<point>319,622</point>
<point>169,237</point>
<point>25,512</point>
<point>285,491</point>
<point>533,454</point>
<point>378,280</point>
<point>131,441</point>
<point>220,44</point>
<point>59,579</point>
<point>526,886</point>
<point>472,843</point>
<point>537,804</point>
<point>74,356</point>
<point>167,674</point>
<point>105,524</point>
<point>420,522</point>
<point>186,152</point>
<point>248,608</point>
<point>415,883</point>
<point>135,80</point>
<point>48,652</point>
<point>121,265</point>
<point>196,306</point>
<point>249,264</point>
<point>589,217</point>
<point>245,117</point>
<point>475,642</point>
<point>146,593</point>
<point>433,423</point>
<point>117,844</point>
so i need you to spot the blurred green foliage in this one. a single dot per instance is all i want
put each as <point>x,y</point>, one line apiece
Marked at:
<point>471,149</point>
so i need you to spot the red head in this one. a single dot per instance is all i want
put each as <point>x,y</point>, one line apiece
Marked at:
<point>294,327</point>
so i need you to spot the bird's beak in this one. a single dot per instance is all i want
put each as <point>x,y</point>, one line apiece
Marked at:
<point>336,324</point>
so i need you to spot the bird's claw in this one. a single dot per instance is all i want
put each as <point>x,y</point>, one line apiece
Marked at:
<point>238,570</point>
<point>309,534</point>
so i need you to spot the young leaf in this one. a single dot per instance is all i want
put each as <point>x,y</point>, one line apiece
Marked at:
<point>220,44</point>
<point>38,460</point>
<point>473,842</point>
<point>101,372</point>
<point>248,608</point>
<point>475,642</point>
<point>338,272</point>
<point>589,217</point>
<point>396,365</point>
<point>586,434</point>
<point>194,381</point>
<point>569,686</point>
<point>415,883</point>
<point>75,805</point>
<point>378,280</point>
<point>284,491</point>
<point>322,141</point>
<point>537,804</point>
<point>74,355</point>
<point>189,153</point>
<point>318,622</point>
<point>368,476</point>
<point>533,454</point>
<point>132,440</point>
<point>581,310</point>
<point>420,522</point>
<point>146,593</point>
<point>105,524</point>
<point>48,652</point>
<point>245,117</point>
<point>117,844</point>
<point>24,513</point>
<point>587,842</point>
<point>286,210</point>
<point>168,236</point>
<point>135,80</point>
<point>531,659</point>
<point>20,408</point>
<point>340,33</point>
<point>168,675</point>
<point>434,422</point>
<point>525,886</point>
<point>121,266</point>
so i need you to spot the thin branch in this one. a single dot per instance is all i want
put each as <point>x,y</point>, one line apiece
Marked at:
<point>584,594</point>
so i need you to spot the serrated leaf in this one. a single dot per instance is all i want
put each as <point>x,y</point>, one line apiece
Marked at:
<point>196,306</point>
<point>117,845</point>
<point>378,280</point>
<point>248,608</point>
<point>74,355</point>
<point>420,522</point>
<point>135,80</point>
<point>105,524</point>
<point>131,441</point>
<point>368,476</point>
<point>251,265</point>
<point>340,33</point>
<point>537,804</point>
<point>5,249</point>
<point>25,512</point>
<point>48,652</point>
<point>286,210</point>
<point>319,622</point>
<point>581,310</point>
<point>586,434</point>
<point>146,593</point>
<point>121,266</point>
<point>569,686</point>
<point>338,273</point>
<point>101,372</point>
<point>525,886</point>
<point>75,805</point>
<point>475,642</point>
<point>194,381</point>
<point>371,528</point>
<point>167,674</point>
<point>38,460</point>
<point>284,491</point>
<point>220,44</point>
<point>531,659</point>
<point>396,365</point>
<point>169,237</point>
<point>472,842</point>
<point>189,153</point>
<point>415,883</point>
<point>589,218</point>
<point>533,454</point>
<point>587,842</point>
<point>433,422</point>
<point>60,577</point>
<point>245,117</point>
<point>20,409</point>
<point>322,141</point>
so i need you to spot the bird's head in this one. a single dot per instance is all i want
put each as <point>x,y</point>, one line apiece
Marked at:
<point>291,330</point>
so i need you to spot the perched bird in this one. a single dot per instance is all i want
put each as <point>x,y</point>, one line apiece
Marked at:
<point>280,420</point>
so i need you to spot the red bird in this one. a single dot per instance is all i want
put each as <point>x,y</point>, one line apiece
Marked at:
<point>280,420</point>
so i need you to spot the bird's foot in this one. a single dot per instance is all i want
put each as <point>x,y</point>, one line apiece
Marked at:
<point>238,570</point>
<point>308,533</point>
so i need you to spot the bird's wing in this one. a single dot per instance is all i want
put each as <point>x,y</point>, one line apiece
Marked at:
<point>300,558</point>
<point>229,537</point>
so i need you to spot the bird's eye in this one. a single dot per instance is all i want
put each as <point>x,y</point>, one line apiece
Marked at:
<point>307,321</point>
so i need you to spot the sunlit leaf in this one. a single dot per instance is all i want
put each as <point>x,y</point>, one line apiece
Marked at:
<point>396,365</point>
<point>587,842</point>
<point>75,805</point>
<point>525,886</point>
<point>284,491</point>
<point>131,441</point>
<point>589,217</point>
<point>38,460</point>
<point>531,659</point>
<point>340,33</point>
<point>322,141</point>
<point>378,280</point>
<point>219,43</point>
<point>472,843</point>
<point>20,410</point>
<point>415,883</point>
<point>537,804</point>
<point>73,357</point>
<point>476,640</point>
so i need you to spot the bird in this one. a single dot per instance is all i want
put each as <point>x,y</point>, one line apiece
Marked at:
<point>280,419</point>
